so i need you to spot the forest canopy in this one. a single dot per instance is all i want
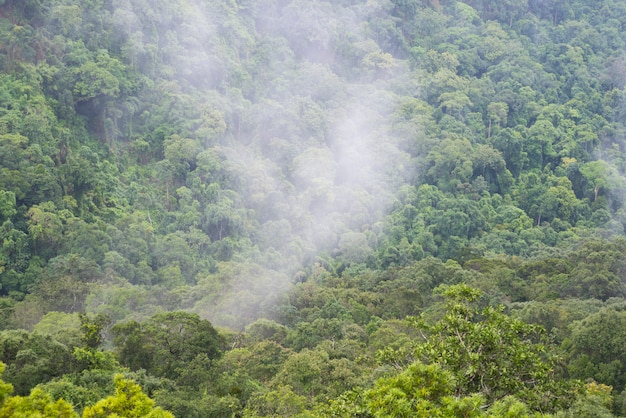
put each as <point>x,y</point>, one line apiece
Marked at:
<point>312,208</point>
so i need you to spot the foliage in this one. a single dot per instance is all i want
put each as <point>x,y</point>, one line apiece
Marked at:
<point>166,342</point>
<point>306,173</point>
<point>420,391</point>
<point>490,353</point>
<point>594,348</point>
<point>128,401</point>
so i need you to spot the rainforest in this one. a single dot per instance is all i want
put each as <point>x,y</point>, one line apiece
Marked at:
<point>312,208</point>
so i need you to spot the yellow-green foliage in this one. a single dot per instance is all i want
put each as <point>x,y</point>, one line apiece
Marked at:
<point>38,404</point>
<point>128,401</point>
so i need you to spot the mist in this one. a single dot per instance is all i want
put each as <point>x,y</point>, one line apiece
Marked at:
<point>309,150</point>
<point>262,142</point>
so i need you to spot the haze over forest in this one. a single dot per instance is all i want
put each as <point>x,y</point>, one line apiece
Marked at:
<point>310,208</point>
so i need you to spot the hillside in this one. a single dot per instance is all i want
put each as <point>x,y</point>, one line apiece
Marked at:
<point>314,208</point>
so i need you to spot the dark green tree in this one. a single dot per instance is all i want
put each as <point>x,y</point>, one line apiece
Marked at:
<point>166,343</point>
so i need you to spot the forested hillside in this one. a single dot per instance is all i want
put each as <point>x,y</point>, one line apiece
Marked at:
<point>311,208</point>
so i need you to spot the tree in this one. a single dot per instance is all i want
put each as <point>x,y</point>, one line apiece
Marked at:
<point>596,401</point>
<point>14,260</point>
<point>38,404</point>
<point>87,355</point>
<point>598,175</point>
<point>180,156</point>
<point>7,205</point>
<point>506,11</point>
<point>129,401</point>
<point>450,163</point>
<point>67,281</point>
<point>596,348</point>
<point>45,228</point>
<point>490,353</point>
<point>454,103</point>
<point>498,113</point>
<point>32,358</point>
<point>165,343</point>
<point>539,144</point>
<point>99,77</point>
<point>510,143</point>
<point>421,391</point>
<point>63,326</point>
<point>281,401</point>
<point>265,360</point>
<point>558,201</point>
<point>303,373</point>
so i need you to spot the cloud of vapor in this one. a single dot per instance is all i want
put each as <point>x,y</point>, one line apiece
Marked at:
<point>307,97</point>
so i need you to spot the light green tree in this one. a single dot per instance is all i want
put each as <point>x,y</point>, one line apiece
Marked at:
<point>129,401</point>
<point>38,404</point>
<point>490,353</point>
<point>421,391</point>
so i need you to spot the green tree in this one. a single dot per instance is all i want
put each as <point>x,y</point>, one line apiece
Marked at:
<point>600,176</point>
<point>454,103</point>
<point>129,401</point>
<point>14,260</point>
<point>490,353</point>
<point>450,163</point>
<point>32,358</point>
<point>595,348</point>
<point>496,112</point>
<point>7,205</point>
<point>67,281</point>
<point>38,404</point>
<point>280,402</point>
<point>421,391</point>
<point>595,402</point>
<point>165,343</point>
<point>558,201</point>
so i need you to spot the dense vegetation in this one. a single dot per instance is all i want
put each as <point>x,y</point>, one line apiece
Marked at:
<point>312,208</point>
